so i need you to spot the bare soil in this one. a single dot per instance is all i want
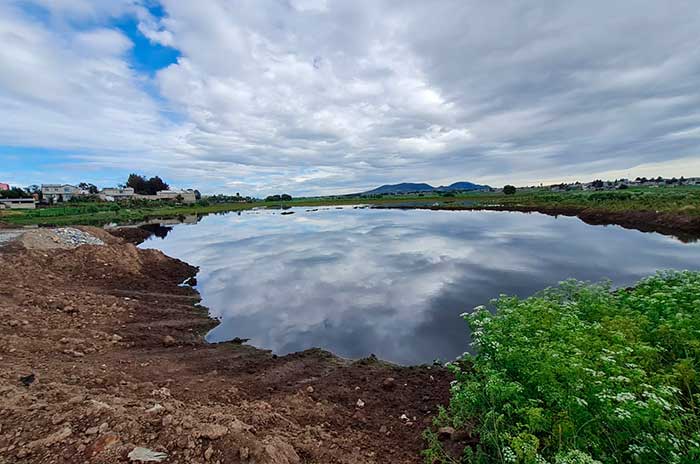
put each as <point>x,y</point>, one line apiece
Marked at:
<point>101,351</point>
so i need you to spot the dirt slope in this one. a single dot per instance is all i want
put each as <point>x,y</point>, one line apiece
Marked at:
<point>101,352</point>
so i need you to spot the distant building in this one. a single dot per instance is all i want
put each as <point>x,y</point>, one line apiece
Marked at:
<point>116,194</point>
<point>17,203</point>
<point>184,196</point>
<point>4,186</point>
<point>60,192</point>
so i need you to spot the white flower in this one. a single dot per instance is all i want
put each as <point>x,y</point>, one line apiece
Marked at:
<point>625,396</point>
<point>622,414</point>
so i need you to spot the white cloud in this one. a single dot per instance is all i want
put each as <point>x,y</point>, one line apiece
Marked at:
<point>324,96</point>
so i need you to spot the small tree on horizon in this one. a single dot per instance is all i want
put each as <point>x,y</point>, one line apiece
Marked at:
<point>509,189</point>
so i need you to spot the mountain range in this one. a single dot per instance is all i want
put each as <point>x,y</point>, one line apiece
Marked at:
<point>408,187</point>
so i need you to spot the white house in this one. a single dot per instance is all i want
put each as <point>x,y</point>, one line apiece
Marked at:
<point>187,196</point>
<point>116,194</point>
<point>60,192</point>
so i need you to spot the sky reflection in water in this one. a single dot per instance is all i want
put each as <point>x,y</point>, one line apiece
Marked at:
<point>390,282</point>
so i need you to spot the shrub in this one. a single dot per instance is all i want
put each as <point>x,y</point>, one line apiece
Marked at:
<point>509,190</point>
<point>578,373</point>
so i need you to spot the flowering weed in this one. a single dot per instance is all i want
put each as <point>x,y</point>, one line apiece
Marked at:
<point>581,374</point>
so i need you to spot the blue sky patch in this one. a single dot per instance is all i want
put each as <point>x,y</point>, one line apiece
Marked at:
<point>145,56</point>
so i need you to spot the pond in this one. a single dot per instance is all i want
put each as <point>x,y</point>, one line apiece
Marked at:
<point>360,281</point>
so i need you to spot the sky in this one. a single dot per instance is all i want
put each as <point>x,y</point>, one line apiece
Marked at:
<point>333,96</point>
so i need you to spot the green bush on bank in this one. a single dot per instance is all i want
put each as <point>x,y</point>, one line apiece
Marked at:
<point>580,374</point>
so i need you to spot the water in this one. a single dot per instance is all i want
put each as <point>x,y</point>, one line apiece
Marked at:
<point>393,282</point>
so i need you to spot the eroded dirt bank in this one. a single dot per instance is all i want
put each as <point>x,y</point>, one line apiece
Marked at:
<point>101,352</point>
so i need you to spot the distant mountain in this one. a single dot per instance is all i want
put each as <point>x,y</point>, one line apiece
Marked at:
<point>408,187</point>
<point>405,187</point>
<point>463,186</point>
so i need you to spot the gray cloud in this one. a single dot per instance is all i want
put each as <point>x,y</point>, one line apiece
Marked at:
<point>323,96</point>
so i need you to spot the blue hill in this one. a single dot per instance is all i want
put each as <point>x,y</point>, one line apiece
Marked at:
<point>408,187</point>
<point>405,187</point>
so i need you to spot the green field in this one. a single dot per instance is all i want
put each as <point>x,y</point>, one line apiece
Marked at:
<point>580,374</point>
<point>679,200</point>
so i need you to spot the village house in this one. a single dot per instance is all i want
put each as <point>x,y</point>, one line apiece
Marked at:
<point>4,186</point>
<point>185,196</point>
<point>60,192</point>
<point>182,196</point>
<point>116,193</point>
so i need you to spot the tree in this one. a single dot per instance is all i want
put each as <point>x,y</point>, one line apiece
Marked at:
<point>35,190</point>
<point>142,186</point>
<point>14,192</point>
<point>197,195</point>
<point>90,188</point>
<point>138,183</point>
<point>285,197</point>
<point>155,185</point>
<point>509,190</point>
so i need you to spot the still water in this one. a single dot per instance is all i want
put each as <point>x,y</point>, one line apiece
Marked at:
<point>392,282</point>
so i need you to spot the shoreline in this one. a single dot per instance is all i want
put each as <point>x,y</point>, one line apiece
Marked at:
<point>115,346</point>
<point>683,227</point>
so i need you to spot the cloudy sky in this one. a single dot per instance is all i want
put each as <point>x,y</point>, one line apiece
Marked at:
<point>323,96</point>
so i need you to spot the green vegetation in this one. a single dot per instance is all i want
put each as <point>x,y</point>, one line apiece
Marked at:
<point>283,197</point>
<point>685,200</point>
<point>105,213</point>
<point>580,374</point>
<point>14,192</point>
<point>679,200</point>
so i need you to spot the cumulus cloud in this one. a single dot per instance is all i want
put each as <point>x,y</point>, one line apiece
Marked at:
<point>319,96</point>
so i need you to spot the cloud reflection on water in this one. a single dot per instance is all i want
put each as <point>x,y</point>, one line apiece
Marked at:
<point>389,282</point>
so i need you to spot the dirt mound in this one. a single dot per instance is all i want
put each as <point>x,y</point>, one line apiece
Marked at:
<point>101,353</point>
<point>135,235</point>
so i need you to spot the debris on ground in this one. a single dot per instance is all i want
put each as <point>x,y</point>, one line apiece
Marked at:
<point>27,380</point>
<point>146,455</point>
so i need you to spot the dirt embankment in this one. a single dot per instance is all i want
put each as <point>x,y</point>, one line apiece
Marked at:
<point>101,352</point>
<point>682,226</point>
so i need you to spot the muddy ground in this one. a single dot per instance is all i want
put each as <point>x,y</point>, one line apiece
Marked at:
<point>101,351</point>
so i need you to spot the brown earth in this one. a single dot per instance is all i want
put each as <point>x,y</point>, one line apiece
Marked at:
<point>101,351</point>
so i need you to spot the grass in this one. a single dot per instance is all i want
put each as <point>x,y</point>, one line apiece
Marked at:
<point>677,200</point>
<point>684,200</point>
<point>580,374</point>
